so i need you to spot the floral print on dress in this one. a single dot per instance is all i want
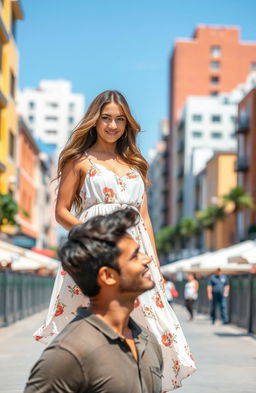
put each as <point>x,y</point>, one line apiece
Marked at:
<point>176,367</point>
<point>59,308</point>
<point>109,195</point>
<point>168,339</point>
<point>121,183</point>
<point>74,290</point>
<point>148,312</point>
<point>158,300</point>
<point>136,302</point>
<point>93,171</point>
<point>132,175</point>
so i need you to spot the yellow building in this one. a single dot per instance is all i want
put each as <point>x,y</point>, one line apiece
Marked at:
<point>221,177</point>
<point>10,12</point>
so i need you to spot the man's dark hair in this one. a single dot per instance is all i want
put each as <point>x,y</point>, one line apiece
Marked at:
<point>94,244</point>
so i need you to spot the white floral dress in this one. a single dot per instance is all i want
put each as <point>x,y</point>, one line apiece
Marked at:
<point>103,192</point>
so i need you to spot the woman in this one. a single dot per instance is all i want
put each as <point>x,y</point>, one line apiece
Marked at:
<point>191,293</point>
<point>102,170</point>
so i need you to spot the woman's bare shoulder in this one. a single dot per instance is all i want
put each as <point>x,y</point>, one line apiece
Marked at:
<point>81,165</point>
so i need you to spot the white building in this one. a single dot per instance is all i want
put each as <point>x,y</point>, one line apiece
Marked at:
<point>157,177</point>
<point>51,111</point>
<point>207,125</point>
<point>157,187</point>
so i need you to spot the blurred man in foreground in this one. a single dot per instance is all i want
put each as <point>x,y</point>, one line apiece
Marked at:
<point>103,349</point>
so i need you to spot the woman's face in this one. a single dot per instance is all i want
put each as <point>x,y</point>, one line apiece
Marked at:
<point>111,124</point>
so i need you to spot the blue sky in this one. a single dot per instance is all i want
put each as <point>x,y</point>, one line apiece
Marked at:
<point>123,45</point>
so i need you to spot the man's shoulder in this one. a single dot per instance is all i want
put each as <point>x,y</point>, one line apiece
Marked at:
<point>79,336</point>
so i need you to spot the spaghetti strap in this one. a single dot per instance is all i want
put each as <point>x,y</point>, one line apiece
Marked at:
<point>87,156</point>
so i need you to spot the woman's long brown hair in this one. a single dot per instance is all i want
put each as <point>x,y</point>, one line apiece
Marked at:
<point>84,136</point>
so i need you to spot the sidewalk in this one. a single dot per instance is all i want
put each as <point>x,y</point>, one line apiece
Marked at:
<point>225,356</point>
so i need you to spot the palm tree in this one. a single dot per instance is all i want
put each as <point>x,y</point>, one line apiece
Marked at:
<point>239,198</point>
<point>188,228</point>
<point>165,239</point>
<point>209,217</point>
<point>8,210</point>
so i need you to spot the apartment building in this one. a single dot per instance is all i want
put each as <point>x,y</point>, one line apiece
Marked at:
<point>213,61</point>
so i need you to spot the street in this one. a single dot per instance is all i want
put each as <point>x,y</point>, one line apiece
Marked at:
<point>225,355</point>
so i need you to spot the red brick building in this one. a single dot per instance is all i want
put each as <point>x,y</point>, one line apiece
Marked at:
<point>246,160</point>
<point>212,61</point>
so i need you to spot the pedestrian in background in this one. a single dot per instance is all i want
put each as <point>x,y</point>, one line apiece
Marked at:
<point>170,290</point>
<point>217,292</point>
<point>191,293</point>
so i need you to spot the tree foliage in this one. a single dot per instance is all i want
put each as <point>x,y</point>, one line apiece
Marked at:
<point>8,210</point>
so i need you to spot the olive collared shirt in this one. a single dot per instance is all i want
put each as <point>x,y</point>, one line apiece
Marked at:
<point>88,356</point>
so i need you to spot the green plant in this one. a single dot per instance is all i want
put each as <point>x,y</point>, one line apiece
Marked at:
<point>8,210</point>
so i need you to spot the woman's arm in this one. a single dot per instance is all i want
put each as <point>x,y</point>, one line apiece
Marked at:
<point>146,219</point>
<point>69,183</point>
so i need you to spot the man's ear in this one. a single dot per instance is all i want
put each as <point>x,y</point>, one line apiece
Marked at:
<point>107,276</point>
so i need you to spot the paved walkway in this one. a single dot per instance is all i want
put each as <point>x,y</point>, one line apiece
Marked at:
<point>225,356</point>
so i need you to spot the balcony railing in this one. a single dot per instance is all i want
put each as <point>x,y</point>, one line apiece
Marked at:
<point>180,196</point>
<point>242,164</point>
<point>243,124</point>
<point>181,146</point>
<point>180,172</point>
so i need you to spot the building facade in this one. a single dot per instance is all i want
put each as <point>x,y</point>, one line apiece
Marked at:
<point>28,161</point>
<point>213,61</point>
<point>207,125</point>
<point>51,111</point>
<point>246,161</point>
<point>215,180</point>
<point>157,175</point>
<point>10,13</point>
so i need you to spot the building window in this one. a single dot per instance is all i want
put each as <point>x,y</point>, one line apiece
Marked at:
<point>71,106</point>
<point>13,25</point>
<point>215,65</point>
<point>197,117</point>
<point>233,135</point>
<point>214,93</point>
<point>233,119</point>
<point>52,104</point>
<point>31,105</point>
<point>216,135</point>
<point>197,134</point>
<point>71,120</point>
<point>215,51</point>
<point>11,145</point>
<point>31,118</point>
<point>253,66</point>
<point>53,132</point>
<point>54,118</point>
<point>215,80</point>
<point>12,85</point>
<point>216,118</point>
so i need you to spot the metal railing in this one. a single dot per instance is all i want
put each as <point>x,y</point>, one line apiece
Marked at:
<point>241,301</point>
<point>22,294</point>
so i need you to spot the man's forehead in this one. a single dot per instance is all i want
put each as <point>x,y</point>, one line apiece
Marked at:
<point>127,242</point>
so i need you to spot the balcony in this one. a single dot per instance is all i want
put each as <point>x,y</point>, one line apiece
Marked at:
<point>181,145</point>
<point>180,196</point>
<point>242,164</point>
<point>180,172</point>
<point>243,124</point>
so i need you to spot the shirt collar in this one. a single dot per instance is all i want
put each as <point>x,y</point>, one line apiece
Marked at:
<point>99,324</point>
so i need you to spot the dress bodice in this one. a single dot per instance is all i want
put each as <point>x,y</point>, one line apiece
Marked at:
<point>103,186</point>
